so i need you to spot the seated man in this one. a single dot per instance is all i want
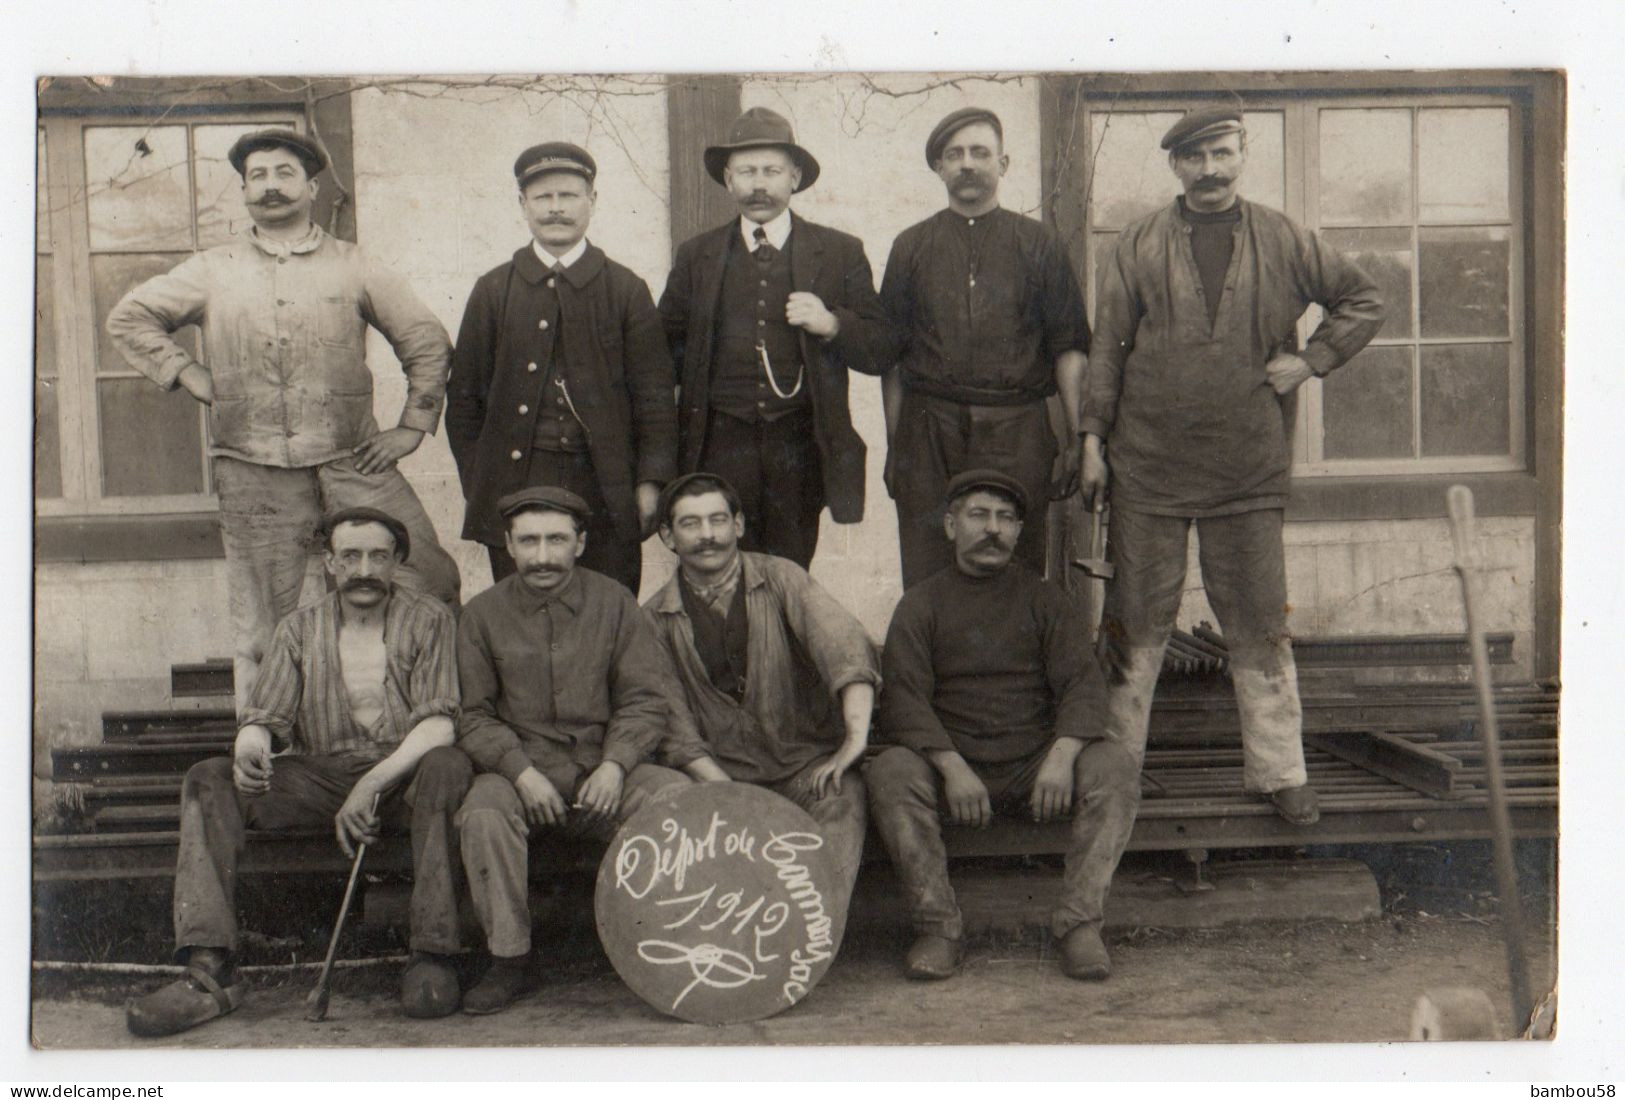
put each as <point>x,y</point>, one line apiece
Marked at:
<point>777,680</point>
<point>562,686</point>
<point>360,688</point>
<point>996,704</point>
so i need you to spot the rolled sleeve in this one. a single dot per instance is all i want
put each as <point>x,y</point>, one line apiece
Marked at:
<point>831,635</point>
<point>419,341</point>
<point>432,688</point>
<point>273,700</point>
<point>142,324</point>
<point>1353,304</point>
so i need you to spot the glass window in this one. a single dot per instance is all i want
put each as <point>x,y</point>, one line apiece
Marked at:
<point>1464,153</point>
<point>1365,166</point>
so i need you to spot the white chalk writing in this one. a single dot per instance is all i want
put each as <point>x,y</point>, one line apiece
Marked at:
<point>704,960</point>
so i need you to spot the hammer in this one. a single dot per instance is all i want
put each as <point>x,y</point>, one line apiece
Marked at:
<point>1096,565</point>
<point>316,1003</point>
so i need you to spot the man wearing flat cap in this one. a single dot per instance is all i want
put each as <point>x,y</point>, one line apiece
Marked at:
<point>764,316</point>
<point>775,680</point>
<point>561,376</point>
<point>284,311</point>
<point>990,324</point>
<point>359,691</point>
<point>563,699</point>
<point>995,705</point>
<point>1190,398</point>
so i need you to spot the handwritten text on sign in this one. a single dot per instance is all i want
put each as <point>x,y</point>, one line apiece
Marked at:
<point>720,895</point>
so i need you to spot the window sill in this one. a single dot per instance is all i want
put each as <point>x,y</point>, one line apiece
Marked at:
<point>1417,497</point>
<point>127,538</point>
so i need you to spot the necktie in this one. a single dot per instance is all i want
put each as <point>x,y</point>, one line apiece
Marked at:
<point>764,252</point>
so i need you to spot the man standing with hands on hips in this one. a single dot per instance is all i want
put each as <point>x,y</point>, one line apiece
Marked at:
<point>764,316</point>
<point>991,324</point>
<point>1191,380</point>
<point>561,377</point>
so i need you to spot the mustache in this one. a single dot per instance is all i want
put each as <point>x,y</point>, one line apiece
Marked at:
<point>706,546</point>
<point>991,542</point>
<point>363,584</point>
<point>272,198</point>
<point>539,570</point>
<point>1213,181</point>
<point>558,220</point>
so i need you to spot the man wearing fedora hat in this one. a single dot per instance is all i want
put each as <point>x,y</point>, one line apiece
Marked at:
<point>284,310</point>
<point>994,702</point>
<point>563,699</point>
<point>764,316</point>
<point>990,322</point>
<point>561,376</point>
<point>1191,393</point>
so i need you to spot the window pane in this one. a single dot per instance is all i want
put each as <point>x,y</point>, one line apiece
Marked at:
<point>1365,166</point>
<point>1385,255</point>
<point>1264,176</point>
<point>1465,281</point>
<point>42,222</point>
<point>1131,175</point>
<point>1463,172</point>
<point>1366,405</point>
<point>152,441</point>
<point>111,277</point>
<point>44,318</point>
<point>1465,403</point>
<point>137,187</point>
<point>47,441</point>
<point>220,213</point>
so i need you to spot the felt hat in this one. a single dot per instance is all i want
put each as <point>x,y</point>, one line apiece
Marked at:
<point>760,128</point>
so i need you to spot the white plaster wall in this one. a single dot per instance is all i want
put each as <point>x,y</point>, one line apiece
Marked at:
<point>868,134</point>
<point>435,198</point>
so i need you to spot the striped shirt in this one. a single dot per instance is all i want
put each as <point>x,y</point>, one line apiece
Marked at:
<point>299,694</point>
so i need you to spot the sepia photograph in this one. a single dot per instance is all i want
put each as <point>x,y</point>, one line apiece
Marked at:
<point>849,558</point>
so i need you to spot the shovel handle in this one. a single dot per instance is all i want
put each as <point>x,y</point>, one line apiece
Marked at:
<point>1459,502</point>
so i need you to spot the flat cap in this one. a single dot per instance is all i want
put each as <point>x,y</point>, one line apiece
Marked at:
<point>554,156</point>
<point>668,495</point>
<point>397,529</point>
<point>1209,122</point>
<point>550,497</point>
<point>300,145</point>
<point>991,480</point>
<point>954,122</point>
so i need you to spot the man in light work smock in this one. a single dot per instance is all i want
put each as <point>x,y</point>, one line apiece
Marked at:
<point>360,691</point>
<point>563,699</point>
<point>561,376</point>
<point>991,325</point>
<point>775,680</point>
<point>764,316</point>
<point>285,310</point>
<point>995,703</point>
<point>1194,367</point>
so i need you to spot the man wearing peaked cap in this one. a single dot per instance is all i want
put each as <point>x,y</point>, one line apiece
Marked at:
<point>996,705</point>
<point>989,326</point>
<point>1218,361</point>
<point>285,310</point>
<point>563,700</point>
<point>561,376</point>
<point>764,317</point>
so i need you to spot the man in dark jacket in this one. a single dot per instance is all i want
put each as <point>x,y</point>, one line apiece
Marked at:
<point>764,317</point>
<point>561,376</point>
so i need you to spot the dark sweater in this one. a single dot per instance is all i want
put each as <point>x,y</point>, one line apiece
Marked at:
<point>995,668</point>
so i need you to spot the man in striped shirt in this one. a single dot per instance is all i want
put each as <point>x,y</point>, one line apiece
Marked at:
<point>359,691</point>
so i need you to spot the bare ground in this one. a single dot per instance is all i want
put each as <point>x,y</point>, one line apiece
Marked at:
<point>1256,983</point>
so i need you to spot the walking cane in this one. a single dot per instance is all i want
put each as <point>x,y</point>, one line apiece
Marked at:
<point>1460,502</point>
<point>316,1003</point>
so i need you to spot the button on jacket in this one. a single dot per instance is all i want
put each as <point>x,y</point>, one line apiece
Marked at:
<point>284,336</point>
<point>571,676</point>
<point>804,648</point>
<point>1192,425</point>
<point>609,350</point>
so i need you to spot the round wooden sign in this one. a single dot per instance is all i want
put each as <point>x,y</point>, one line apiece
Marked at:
<point>714,903</point>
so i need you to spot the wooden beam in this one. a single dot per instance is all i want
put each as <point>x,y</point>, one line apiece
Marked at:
<point>1405,762</point>
<point>1547,124</point>
<point>699,110</point>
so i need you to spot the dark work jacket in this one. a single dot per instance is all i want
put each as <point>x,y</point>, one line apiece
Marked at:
<point>610,351</point>
<point>825,262</point>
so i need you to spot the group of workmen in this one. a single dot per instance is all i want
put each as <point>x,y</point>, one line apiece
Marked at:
<point>584,417</point>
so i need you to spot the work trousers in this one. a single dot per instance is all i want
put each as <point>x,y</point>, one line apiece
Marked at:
<point>937,439</point>
<point>905,797</point>
<point>306,792</point>
<point>496,843</point>
<point>616,554</point>
<point>842,819</point>
<point>775,468</point>
<point>1244,572</point>
<point>270,517</point>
